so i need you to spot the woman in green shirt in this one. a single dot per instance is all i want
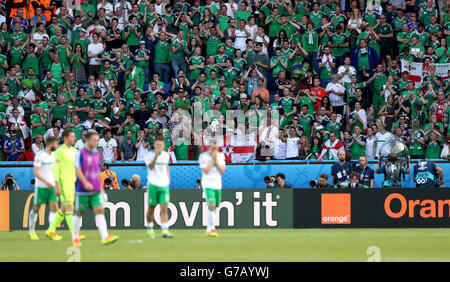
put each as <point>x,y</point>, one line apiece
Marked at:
<point>78,62</point>
<point>433,147</point>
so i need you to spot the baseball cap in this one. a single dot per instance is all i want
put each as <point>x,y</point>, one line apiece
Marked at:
<point>243,96</point>
<point>82,29</point>
<point>108,119</point>
<point>116,110</point>
<point>142,42</point>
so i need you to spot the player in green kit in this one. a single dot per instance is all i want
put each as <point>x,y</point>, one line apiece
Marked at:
<point>212,164</point>
<point>158,181</point>
<point>44,187</point>
<point>65,177</point>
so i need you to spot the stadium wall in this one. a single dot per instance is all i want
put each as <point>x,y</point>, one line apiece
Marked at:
<point>260,208</point>
<point>238,176</point>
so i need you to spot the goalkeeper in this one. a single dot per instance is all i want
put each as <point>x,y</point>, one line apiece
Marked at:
<point>65,177</point>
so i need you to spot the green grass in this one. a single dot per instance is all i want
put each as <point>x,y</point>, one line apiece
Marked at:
<point>238,245</point>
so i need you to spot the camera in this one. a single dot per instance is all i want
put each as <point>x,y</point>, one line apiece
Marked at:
<point>314,183</point>
<point>347,185</point>
<point>199,183</point>
<point>269,179</point>
<point>125,182</point>
<point>107,185</point>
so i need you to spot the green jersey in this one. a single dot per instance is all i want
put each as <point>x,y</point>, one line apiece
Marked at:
<point>162,53</point>
<point>41,129</point>
<point>278,67</point>
<point>316,18</point>
<point>306,122</point>
<point>179,54</point>
<point>336,128</point>
<point>433,150</point>
<point>340,40</point>
<point>310,41</point>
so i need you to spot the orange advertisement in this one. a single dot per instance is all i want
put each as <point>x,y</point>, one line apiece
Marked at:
<point>4,210</point>
<point>336,208</point>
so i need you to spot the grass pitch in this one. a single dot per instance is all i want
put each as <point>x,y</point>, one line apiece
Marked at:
<point>251,245</point>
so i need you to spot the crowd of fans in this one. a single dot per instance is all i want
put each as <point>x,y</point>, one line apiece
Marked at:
<point>330,70</point>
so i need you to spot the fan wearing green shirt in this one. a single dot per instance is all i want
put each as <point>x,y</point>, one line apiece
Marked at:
<point>433,146</point>
<point>38,122</point>
<point>130,125</point>
<point>179,49</point>
<point>30,58</point>
<point>278,63</point>
<point>64,51</point>
<point>244,13</point>
<point>142,59</point>
<point>181,101</point>
<point>339,43</point>
<point>162,54</point>
<point>385,34</point>
<point>316,16</point>
<point>196,64</point>
<point>213,38</point>
<point>99,106</point>
<point>132,33</point>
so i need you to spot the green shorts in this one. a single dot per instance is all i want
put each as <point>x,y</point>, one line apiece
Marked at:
<point>43,196</point>
<point>157,195</point>
<point>213,196</point>
<point>82,202</point>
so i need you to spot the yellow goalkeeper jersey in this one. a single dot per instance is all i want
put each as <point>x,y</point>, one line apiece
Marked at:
<point>64,166</point>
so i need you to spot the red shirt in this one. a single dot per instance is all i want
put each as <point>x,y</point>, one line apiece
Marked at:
<point>439,111</point>
<point>318,93</point>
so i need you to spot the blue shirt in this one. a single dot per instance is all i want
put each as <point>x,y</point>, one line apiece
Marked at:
<point>340,172</point>
<point>425,174</point>
<point>365,175</point>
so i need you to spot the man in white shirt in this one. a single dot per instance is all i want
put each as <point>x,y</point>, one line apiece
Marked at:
<point>158,182</point>
<point>383,139</point>
<point>107,147</point>
<point>212,163</point>
<point>241,35</point>
<point>44,191</point>
<point>81,142</point>
<point>346,71</point>
<point>292,145</point>
<point>94,49</point>
<point>263,38</point>
<point>336,92</point>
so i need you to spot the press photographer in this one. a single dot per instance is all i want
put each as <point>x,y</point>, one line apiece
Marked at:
<point>354,182</point>
<point>133,184</point>
<point>321,183</point>
<point>278,181</point>
<point>9,183</point>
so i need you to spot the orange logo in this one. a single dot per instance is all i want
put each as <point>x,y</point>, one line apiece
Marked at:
<point>336,208</point>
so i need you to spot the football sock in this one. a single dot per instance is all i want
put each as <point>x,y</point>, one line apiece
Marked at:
<point>164,226</point>
<point>150,226</point>
<point>56,221</point>
<point>69,221</point>
<point>32,218</point>
<point>100,221</point>
<point>210,220</point>
<point>51,217</point>
<point>76,226</point>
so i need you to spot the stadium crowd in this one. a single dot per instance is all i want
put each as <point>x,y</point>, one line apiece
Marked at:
<point>330,70</point>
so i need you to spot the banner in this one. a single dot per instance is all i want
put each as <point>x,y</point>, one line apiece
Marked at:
<point>417,71</point>
<point>371,208</point>
<point>249,208</point>
<point>236,148</point>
